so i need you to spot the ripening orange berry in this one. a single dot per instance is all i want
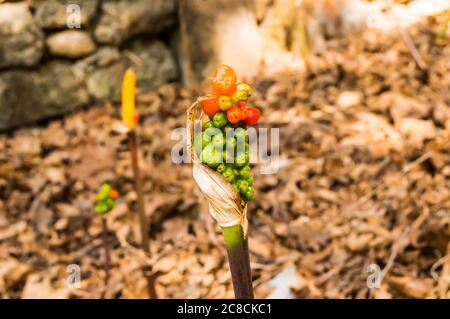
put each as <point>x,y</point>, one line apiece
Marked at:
<point>136,118</point>
<point>113,194</point>
<point>234,115</point>
<point>223,81</point>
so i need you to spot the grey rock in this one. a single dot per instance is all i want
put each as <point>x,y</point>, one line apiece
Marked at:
<point>155,64</point>
<point>71,44</point>
<point>55,14</point>
<point>124,19</point>
<point>105,83</point>
<point>52,90</point>
<point>21,40</point>
<point>104,57</point>
<point>152,61</point>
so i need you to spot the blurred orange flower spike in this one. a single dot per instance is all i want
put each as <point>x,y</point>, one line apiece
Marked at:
<point>128,110</point>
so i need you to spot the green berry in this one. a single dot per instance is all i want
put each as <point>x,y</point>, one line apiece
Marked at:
<point>228,173</point>
<point>240,133</point>
<point>208,125</point>
<point>106,188</point>
<point>206,139</point>
<point>221,168</point>
<point>241,86</point>
<point>240,159</point>
<point>245,172</point>
<point>110,203</point>
<point>238,95</point>
<point>220,119</point>
<point>242,185</point>
<point>218,141</point>
<point>101,208</point>
<point>250,180</point>
<point>249,194</point>
<point>208,134</point>
<point>211,156</point>
<point>101,196</point>
<point>227,157</point>
<point>103,193</point>
<point>231,142</point>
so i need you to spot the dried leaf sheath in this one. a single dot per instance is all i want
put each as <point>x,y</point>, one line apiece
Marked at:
<point>226,205</point>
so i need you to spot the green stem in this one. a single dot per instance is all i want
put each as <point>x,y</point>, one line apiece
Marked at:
<point>238,258</point>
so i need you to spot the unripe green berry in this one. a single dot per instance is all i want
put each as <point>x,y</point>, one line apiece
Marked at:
<point>240,159</point>
<point>240,132</point>
<point>228,173</point>
<point>241,86</point>
<point>245,172</point>
<point>110,203</point>
<point>249,194</point>
<point>231,142</point>
<point>101,208</point>
<point>221,168</point>
<point>218,141</point>
<point>208,125</point>
<point>250,180</point>
<point>211,156</point>
<point>242,185</point>
<point>220,119</point>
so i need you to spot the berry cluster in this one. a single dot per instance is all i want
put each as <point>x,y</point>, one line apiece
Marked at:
<point>224,139</point>
<point>106,199</point>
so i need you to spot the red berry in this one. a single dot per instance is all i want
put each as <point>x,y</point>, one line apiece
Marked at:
<point>210,105</point>
<point>223,81</point>
<point>253,116</point>
<point>244,113</point>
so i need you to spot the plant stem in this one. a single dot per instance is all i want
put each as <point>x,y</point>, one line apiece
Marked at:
<point>238,258</point>
<point>144,226</point>
<point>107,263</point>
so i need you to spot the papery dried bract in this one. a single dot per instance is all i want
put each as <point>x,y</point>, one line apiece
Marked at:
<point>225,203</point>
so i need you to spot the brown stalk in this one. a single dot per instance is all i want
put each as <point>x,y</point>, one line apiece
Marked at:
<point>144,225</point>
<point>107,264</point>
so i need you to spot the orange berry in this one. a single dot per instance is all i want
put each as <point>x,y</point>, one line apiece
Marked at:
<point>234,115</point>
<point>210,104</point>
<point>136,118</point>
<point>113,194</point>
<point>242,103</point>
<point>223,81</point>
<point>244,113</point>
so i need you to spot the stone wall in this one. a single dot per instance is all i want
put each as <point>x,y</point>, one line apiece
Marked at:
<point>54,58</point>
